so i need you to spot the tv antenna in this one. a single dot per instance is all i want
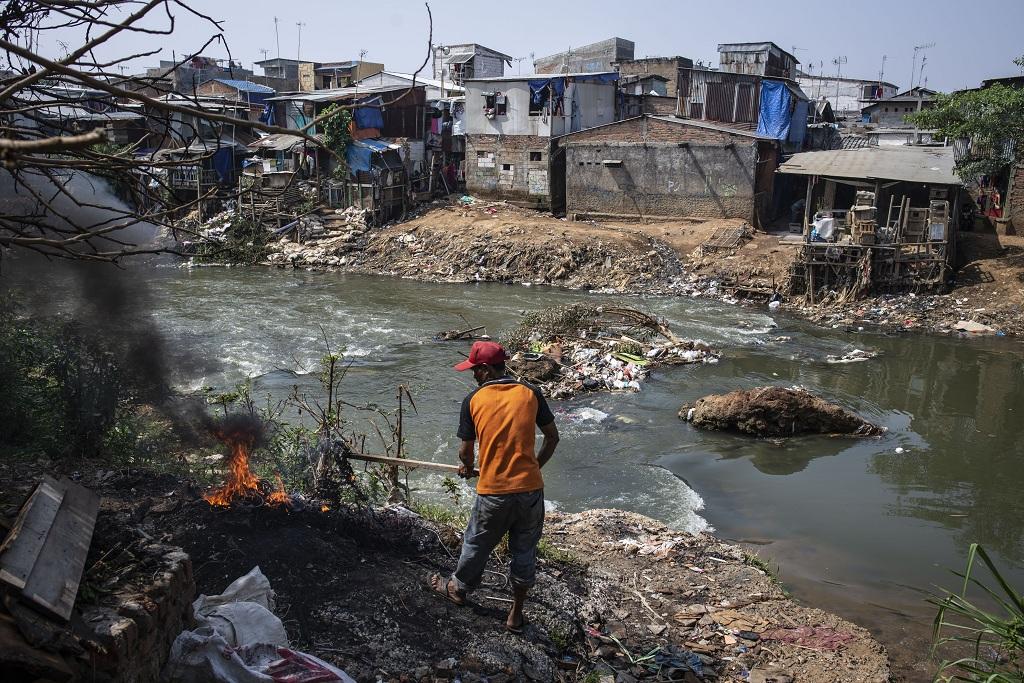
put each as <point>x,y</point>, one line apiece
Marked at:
<point>881,74</point>
<point>298,50</point>
<point>519,64</point>
<point>838,61</point>
<point>277,38</point>
<point>362,53</point>
<point>264,51</point>
<point>913,64</point>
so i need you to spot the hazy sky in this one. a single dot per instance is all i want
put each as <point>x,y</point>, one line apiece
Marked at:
<point>973,40</point>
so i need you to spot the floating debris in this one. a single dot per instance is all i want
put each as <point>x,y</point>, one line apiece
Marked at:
<point>580,347</point>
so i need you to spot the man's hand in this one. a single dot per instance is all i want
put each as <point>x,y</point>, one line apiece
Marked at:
<point>547,448</point>
<point>466,458</point>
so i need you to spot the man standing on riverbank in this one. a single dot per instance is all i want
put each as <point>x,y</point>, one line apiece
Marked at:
<point>502,416</point>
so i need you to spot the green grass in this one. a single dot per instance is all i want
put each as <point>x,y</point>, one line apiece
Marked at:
<point>993,637</point>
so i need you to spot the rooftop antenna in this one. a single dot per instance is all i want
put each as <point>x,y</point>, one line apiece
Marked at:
<point>920,75</point>
<point>519,64</point>
<point>362,53</point>
<point>913,64</point>
<point>838,61</point>
<point>277,38</point>
<point>881,74</point>
<point>298,50</point>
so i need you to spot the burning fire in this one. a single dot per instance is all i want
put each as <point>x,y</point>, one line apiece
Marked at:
<point>242,434</point>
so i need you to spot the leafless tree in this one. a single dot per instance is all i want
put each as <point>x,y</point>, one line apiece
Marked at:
<point>57,160</point>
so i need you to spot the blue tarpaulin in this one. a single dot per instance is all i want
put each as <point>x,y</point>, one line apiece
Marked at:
<point>369,117</point>
<point>268,116</point>
<point>798,129</point>
<point>358,153</point>
<point>774,117</point>
<point>597,78</point>
<point>223,161</point>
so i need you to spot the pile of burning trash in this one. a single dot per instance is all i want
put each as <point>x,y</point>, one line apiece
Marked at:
<point>580,347</point>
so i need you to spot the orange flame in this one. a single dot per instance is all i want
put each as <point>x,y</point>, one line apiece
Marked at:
<point>279,496</point>
<point>242,483</point>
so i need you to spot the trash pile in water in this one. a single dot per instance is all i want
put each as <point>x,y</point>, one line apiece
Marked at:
<point>321,239</point>
<point>941,313</point>
<point>580,347</point>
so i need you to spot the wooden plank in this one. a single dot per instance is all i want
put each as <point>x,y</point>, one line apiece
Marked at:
<point>22,546</point>
<point>53,584</point>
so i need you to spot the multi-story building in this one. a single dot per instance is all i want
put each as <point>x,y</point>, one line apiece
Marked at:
<point>510,122</point>
<point>458,63</point>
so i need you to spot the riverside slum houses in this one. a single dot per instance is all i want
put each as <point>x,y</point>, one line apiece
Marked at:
<point>876,218</point>
<point>714,157</point>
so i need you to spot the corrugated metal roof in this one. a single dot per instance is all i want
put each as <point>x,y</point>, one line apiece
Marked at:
<point>708,125</point>
<point>927,165</point>
<point>537,77</point>
<point>246,86</point>
<point>333,94</point>
<point>277,142</point>
<point>459,59</point>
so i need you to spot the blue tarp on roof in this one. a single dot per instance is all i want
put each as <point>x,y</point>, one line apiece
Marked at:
<point>369,117</point>
<point>246,86</point>
<point>358,153</point>
<point>775,115</point>
<point>597,78</point>
<point>253,92</point>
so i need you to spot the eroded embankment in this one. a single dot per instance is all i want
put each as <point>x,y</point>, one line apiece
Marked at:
<point>617,594</point>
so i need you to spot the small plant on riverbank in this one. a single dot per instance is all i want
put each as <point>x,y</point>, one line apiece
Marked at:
<point>245,243</point>
<point>993,639</point>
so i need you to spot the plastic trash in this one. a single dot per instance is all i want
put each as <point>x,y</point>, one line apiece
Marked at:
<point>773,305</point>
<point>240,640</point>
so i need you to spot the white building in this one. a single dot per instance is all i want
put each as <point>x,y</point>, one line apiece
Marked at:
<point>846,95</point>
<point>510,122</point>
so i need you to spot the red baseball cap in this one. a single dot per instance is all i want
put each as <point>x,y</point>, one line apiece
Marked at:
<point>483,353</point>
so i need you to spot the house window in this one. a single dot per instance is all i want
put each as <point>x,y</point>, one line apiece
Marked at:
<point>506,167</point>
<point>536,156</point>
<point>495,104</point>
<point>481,155</point>
<point>887,108</point>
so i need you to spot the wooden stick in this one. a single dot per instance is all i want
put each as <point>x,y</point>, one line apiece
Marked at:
<point>408,463</point>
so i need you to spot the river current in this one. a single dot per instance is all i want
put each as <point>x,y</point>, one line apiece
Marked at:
<point>862,527</point>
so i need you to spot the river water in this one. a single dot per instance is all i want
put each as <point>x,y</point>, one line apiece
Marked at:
<point>853,525</point>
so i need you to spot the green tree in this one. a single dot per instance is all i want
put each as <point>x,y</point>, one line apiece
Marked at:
<point>992,119</point>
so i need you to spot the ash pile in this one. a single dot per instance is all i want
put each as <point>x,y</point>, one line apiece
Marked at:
<point>577,348</point>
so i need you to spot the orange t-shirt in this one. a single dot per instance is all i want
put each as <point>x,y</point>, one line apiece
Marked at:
<point>502,416</point>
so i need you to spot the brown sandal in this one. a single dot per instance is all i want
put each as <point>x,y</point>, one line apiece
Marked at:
<point>443,587</point>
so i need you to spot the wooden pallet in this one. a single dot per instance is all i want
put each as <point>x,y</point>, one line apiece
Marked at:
<point>42,558</point>
<point>723,239</point>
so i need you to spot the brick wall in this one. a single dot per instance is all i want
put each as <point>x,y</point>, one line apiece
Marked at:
<point>513,167</point>
<point>1015,199</point>
<point>659,66</point>
<point>653,130</point>
<point>134,634</point>
<point>638,168</point>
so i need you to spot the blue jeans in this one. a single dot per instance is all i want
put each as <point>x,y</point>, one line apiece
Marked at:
<point>521,516</point>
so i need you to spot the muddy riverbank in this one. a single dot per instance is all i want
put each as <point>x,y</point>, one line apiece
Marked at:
<point>496,242</point>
